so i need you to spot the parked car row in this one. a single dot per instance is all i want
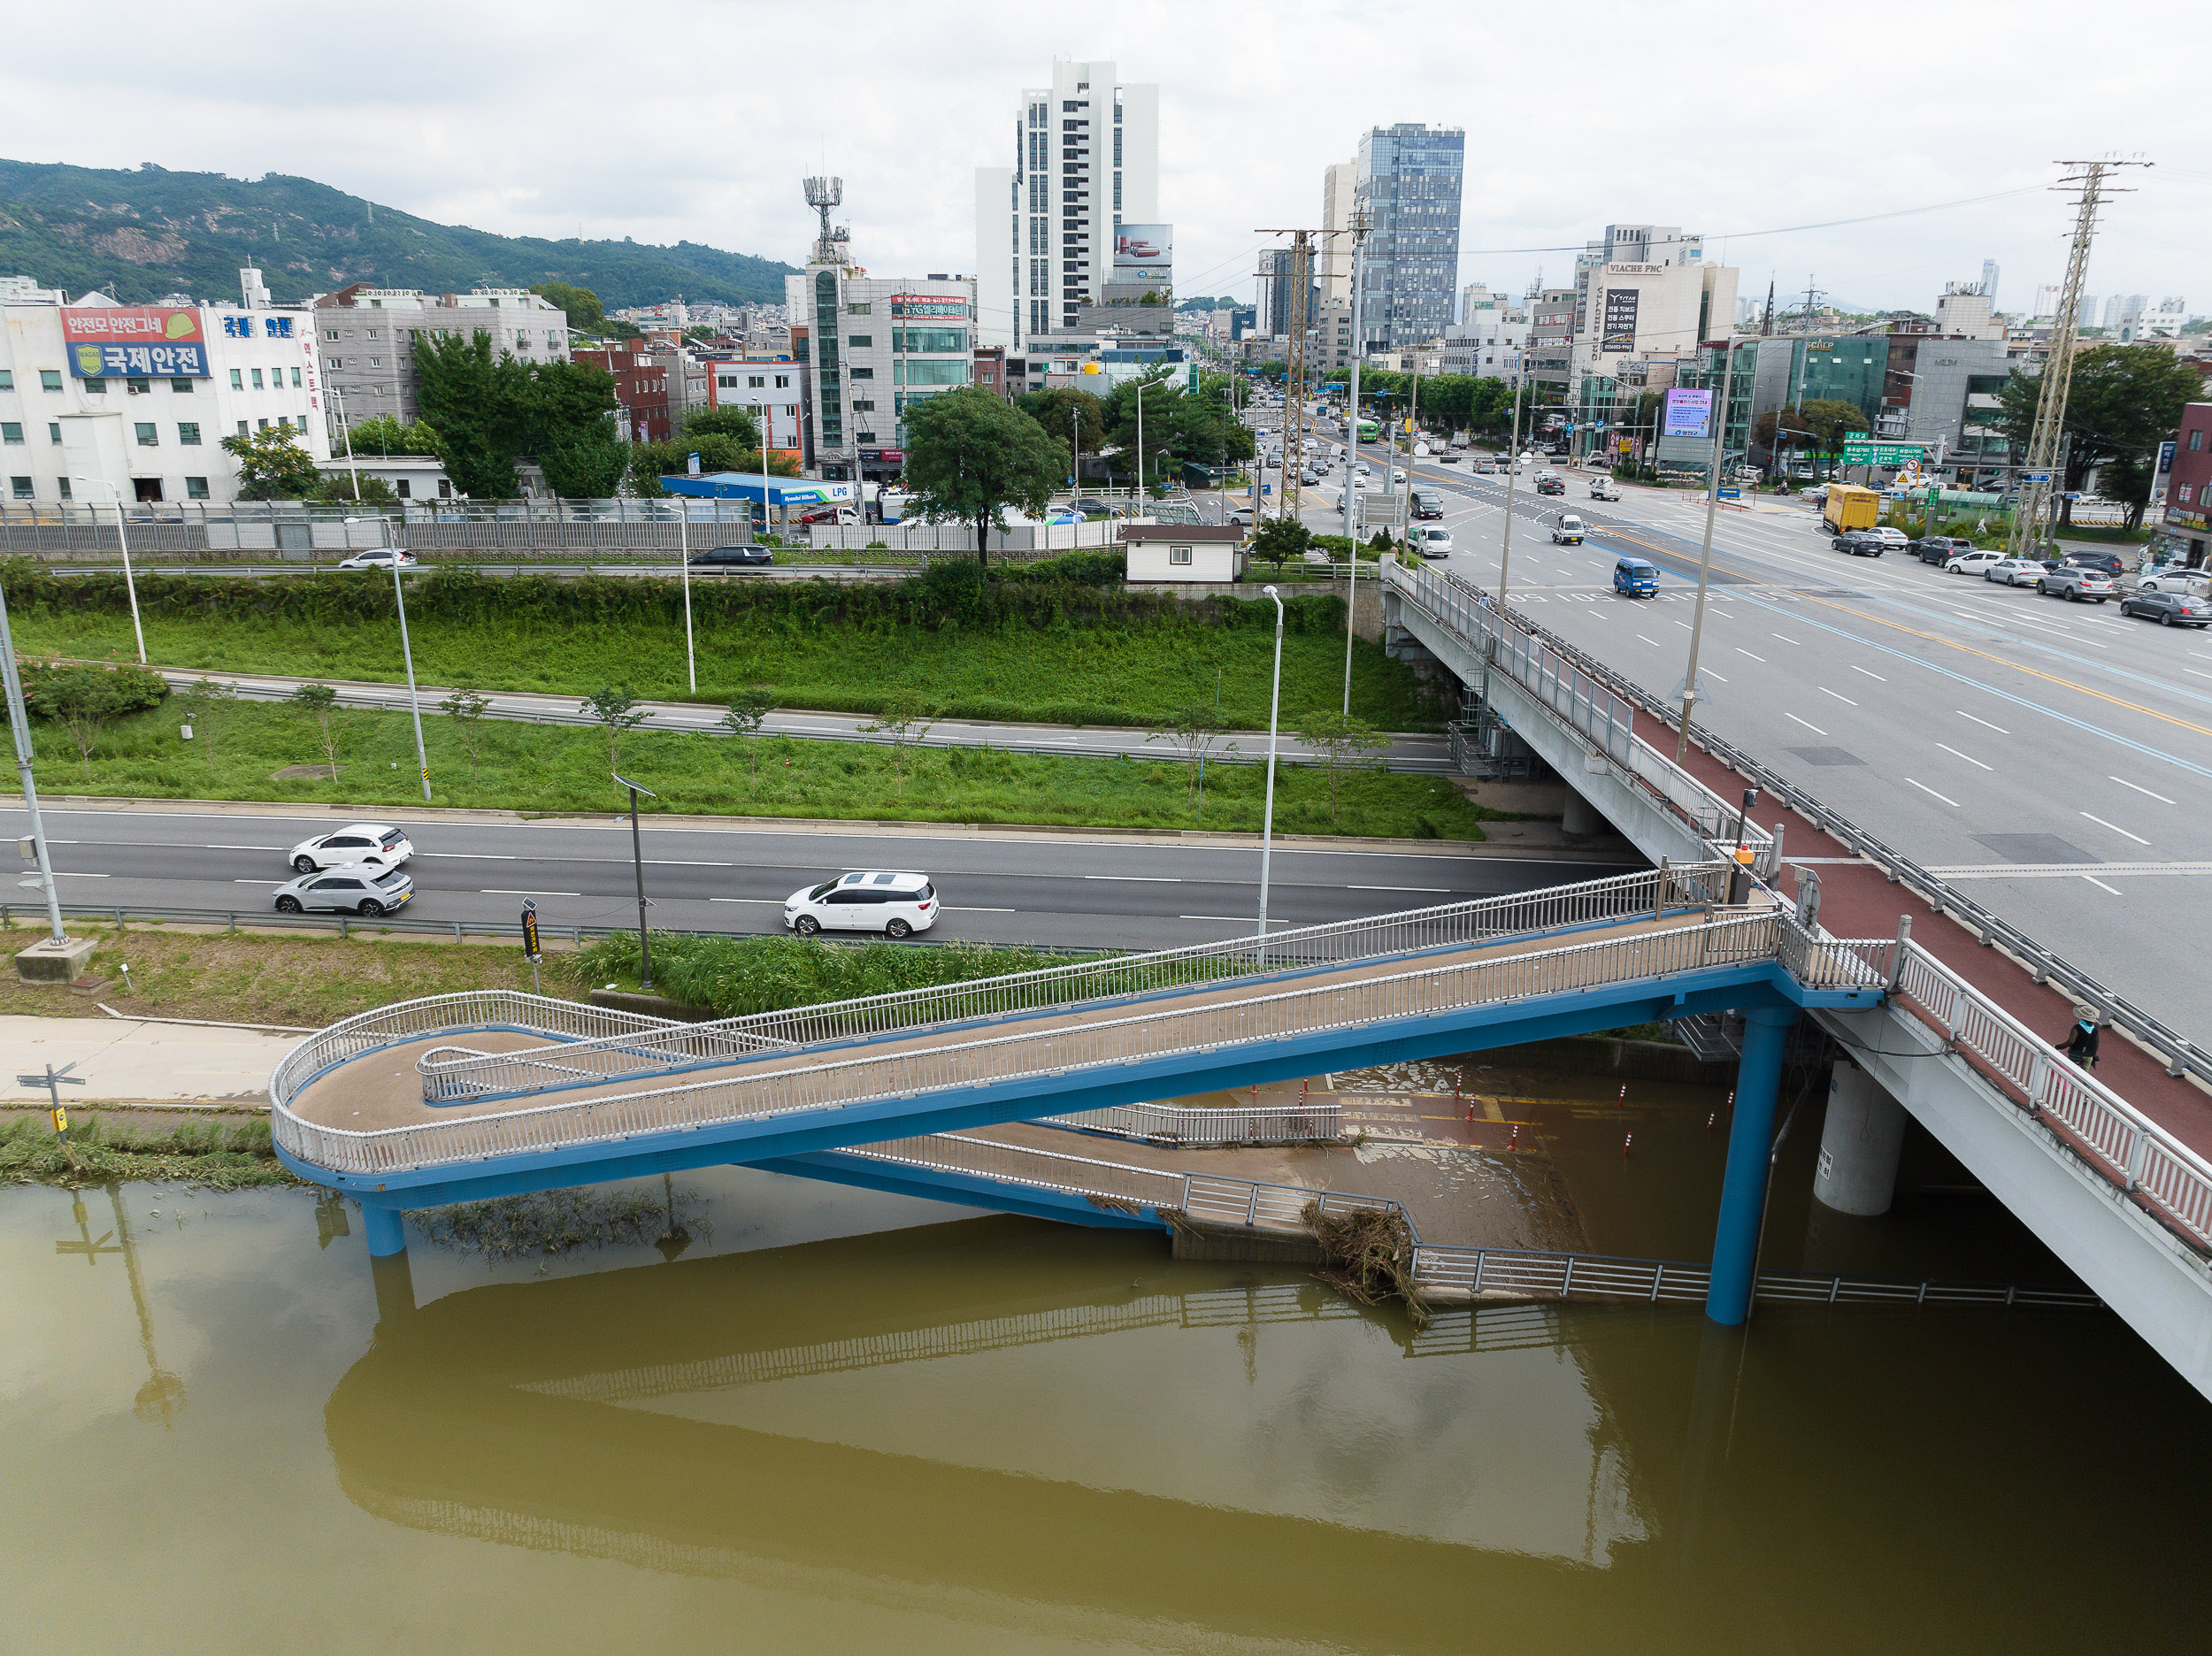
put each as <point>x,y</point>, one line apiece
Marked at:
<point>2087,576</point>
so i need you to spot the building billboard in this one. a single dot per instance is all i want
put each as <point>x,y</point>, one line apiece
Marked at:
<point>1620,318</point>
<point>1689,414</point>
<point>1145,253</point>
<point>134,342</point>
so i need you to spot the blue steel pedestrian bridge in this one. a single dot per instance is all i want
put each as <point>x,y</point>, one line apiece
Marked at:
<point>460,1097</point>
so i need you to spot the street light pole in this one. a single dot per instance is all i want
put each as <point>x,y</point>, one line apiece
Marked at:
<point>683,551</point>
<point>414,701</point>
<point>1267,817</point>
<point>19,723</point>
<point>1512,477</point>
<point>1351,454</point>
<point>637,860</point>
<point>1705,552</point>
<point>130,583</point>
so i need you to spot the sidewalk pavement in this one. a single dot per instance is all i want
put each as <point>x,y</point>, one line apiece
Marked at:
<point>126,1060</point>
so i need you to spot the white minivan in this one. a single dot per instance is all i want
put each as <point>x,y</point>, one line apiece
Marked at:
<point>895,904</point>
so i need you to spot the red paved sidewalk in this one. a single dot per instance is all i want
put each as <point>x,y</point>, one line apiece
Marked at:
<point>1858,901</point>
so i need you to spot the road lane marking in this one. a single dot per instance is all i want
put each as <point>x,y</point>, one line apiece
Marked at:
<point>1741,650</point>
<point>1400,888</point>
<point>1839,695</point>
<point>1969,758</point>
<point>239,882</point>
<point>2125,783</point>
<point>496,893</point>
<point>775,902</point>
<point>484,857</point>
<point>2100,886</point>
<point>1786,640</point>
<point>1924,788</point>
<point>1808,723</point>
<point>1857,669</point>
<point>2117,829</point>
<point>1232,919</point>
<point>2000,729</point>
<point>1148,879</point>
<point>213,847</point>
<point>1652,642</point>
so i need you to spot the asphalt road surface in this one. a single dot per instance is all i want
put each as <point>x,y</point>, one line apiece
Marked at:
<point>2054,759</point>
<point>1002,888</point>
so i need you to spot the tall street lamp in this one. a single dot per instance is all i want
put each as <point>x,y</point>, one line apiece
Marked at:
<point>1512,477</point>
<point>637,860</point>
<point>130,583</point>
<point>1705,553</point>
<point>414,701</point>
<point>19,723</point>
<point>1267,817</point>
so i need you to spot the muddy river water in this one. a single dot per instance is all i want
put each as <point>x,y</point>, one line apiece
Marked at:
<point>820,1419</point>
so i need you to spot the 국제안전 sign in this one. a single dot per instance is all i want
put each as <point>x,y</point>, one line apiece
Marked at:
<point>134,342</point>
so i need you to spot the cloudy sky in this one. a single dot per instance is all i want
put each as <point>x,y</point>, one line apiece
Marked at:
<point>663,120</point>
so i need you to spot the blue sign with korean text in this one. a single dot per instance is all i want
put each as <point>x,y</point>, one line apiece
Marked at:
<point>138,361</point>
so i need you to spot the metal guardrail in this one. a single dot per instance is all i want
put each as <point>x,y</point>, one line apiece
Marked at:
<point>2097,1125</point>
<point>1679,890</point>
<point>1195,1129</point>
<point>1584,700</point>
<point>1475,1271</point>
<point>2180,1055</point>
<point>843,1082</point>
<point>262,919</point>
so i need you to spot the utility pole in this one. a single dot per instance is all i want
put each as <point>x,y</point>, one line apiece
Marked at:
<point>1351,449</point>
<point>1413,429</point>
<point>2041,486</point>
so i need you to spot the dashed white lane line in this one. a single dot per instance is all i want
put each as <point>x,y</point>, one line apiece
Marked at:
<point>1808,723</point>
<point>2125,783</point>
<point>1857,669</point>
<point>2100,886</point>
<point>1145,879</point>
<point>1741,651</point>
<point>1652,642</point>
<point>528,893</point>
<point>1786,640</point>
<point>1839,695</point>
<point>2117,829</point>
<point>1931,793</point>
<point>1400,888</point>
<point>1969,758</point>
<point>1984,723</point>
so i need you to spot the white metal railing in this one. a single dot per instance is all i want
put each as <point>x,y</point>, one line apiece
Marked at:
<point>2104,1129</point>
<point>447,1078</point>
<point>1579,700</point>
<point>1436,1268</point>
<point>1231,1124</point>
<point>904,1072</point>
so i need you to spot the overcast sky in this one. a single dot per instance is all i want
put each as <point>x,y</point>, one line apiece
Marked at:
<point>667,121</point>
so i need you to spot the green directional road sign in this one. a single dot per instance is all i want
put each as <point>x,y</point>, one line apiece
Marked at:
<point>1882,454</point>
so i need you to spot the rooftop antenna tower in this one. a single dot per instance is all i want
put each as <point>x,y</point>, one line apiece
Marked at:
<point>833,246</point>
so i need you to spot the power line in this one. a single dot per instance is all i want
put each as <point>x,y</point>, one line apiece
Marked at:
<point>1829,224</point>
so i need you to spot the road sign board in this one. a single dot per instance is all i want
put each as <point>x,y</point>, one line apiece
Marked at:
<point>1864,451</point>
<point>1729,491</point>
<point>2035,477</point>
<point>530,949</point>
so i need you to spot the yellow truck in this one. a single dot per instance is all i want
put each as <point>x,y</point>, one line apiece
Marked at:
<point>1851,507</point>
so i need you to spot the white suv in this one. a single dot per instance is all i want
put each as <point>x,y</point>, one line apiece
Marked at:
<point>372,844</point>
<point>896,904</point>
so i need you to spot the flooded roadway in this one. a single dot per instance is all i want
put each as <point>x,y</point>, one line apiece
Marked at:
<point>817,1427</point>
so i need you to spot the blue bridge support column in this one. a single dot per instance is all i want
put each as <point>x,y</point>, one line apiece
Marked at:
<point>1750,1144</point>
<point>387,1227</point>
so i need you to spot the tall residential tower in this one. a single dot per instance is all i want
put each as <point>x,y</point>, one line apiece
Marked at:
<point>1407,181</point>
<point>1048,228</point>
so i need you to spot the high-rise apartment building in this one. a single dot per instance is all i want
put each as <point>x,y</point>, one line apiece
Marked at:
<point>1989,282</point>
<point>1049,229</point>
<point>2123,309</point>
<point>2045,302</point>
<point>1407,181</point>
<point>1332,255</point>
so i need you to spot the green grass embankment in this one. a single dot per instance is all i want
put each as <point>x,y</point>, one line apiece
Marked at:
<point>561,769</point>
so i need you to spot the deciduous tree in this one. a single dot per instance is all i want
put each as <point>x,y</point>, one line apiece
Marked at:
<point>971,455</point>
<point>466,709</point>
<point>614,709</point>
<point>1195,731</point>
<point>1344,744</point>
<point>272,465</point>
<point>317,700</point>
<point>749,709</point>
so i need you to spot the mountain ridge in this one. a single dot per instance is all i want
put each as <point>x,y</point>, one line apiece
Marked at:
<point>140,234</point>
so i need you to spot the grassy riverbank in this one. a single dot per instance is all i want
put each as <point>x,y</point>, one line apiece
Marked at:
<point>219,1154</point>
<point>1022,647</point>
<point>559,769</point>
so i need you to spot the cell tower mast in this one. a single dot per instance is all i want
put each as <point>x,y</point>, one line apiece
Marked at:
<point>1301,279</point>
<point>2042,485</point>
<point>834,245</point>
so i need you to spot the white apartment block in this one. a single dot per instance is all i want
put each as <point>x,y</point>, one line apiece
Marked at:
<point>367,337</point>
<point>770,391</point>
<point>100,400</point>
<point>1334,254</point>
<point>1087,160</point>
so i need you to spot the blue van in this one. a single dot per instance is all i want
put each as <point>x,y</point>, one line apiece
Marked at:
<point>1634,578</point>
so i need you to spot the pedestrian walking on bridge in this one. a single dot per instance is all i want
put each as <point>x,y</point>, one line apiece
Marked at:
<point>2081,1041</point>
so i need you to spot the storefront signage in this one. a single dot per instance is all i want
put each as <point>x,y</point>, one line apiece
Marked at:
<point>1620,318</point>
<point>135,341</point>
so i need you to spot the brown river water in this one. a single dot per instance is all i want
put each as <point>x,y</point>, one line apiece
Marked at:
<point>837,1420</point>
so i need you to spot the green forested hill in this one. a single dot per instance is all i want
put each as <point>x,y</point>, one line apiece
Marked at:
<point>140,234</point>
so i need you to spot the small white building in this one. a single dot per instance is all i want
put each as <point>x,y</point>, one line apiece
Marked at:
<point>138,398</point>
<point>1184,552</point>
<point>412,477</point>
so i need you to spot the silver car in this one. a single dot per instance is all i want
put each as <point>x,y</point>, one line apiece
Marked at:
<point>359,891</point>
<point>2015,571</point>
<point>372,844</point>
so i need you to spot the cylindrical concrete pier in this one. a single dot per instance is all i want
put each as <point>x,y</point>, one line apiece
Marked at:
<point>1581,818</point>
<point>387,1229</point>
<point>1859,1146</point>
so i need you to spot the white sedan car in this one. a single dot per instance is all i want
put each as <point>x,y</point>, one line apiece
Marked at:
<point>380,559</point>
<point>1972,562</point>
<point>360,891</point>
<point>896,904</point>
<point>371,845</point>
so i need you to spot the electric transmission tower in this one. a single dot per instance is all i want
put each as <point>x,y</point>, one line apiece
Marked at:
<point>2042,483</point>
<point>1301,279</point>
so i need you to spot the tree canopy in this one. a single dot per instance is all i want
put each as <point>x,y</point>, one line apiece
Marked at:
<point>491,412</point>
<point>1177,426</point>
<point>2123,401</point>
<point>970,455</point>
<point>725,421</point>
<point>580,304</point>
<point>272,465</point>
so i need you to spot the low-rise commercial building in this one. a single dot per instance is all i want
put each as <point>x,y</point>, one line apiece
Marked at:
<point>367,335</point>
<point>770,390</point>
<point>100,400</point>
<point>878,345</point>
<point>2187,528</point>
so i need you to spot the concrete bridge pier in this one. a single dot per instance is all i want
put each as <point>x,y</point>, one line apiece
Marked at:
<point>1860,1145</point>
<point>1750,1144</point>
<point>1581,818</point>
<point>387,1229</point>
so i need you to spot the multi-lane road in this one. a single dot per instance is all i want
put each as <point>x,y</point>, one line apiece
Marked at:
<point>1067,891</point>
<point>2053,759</point>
